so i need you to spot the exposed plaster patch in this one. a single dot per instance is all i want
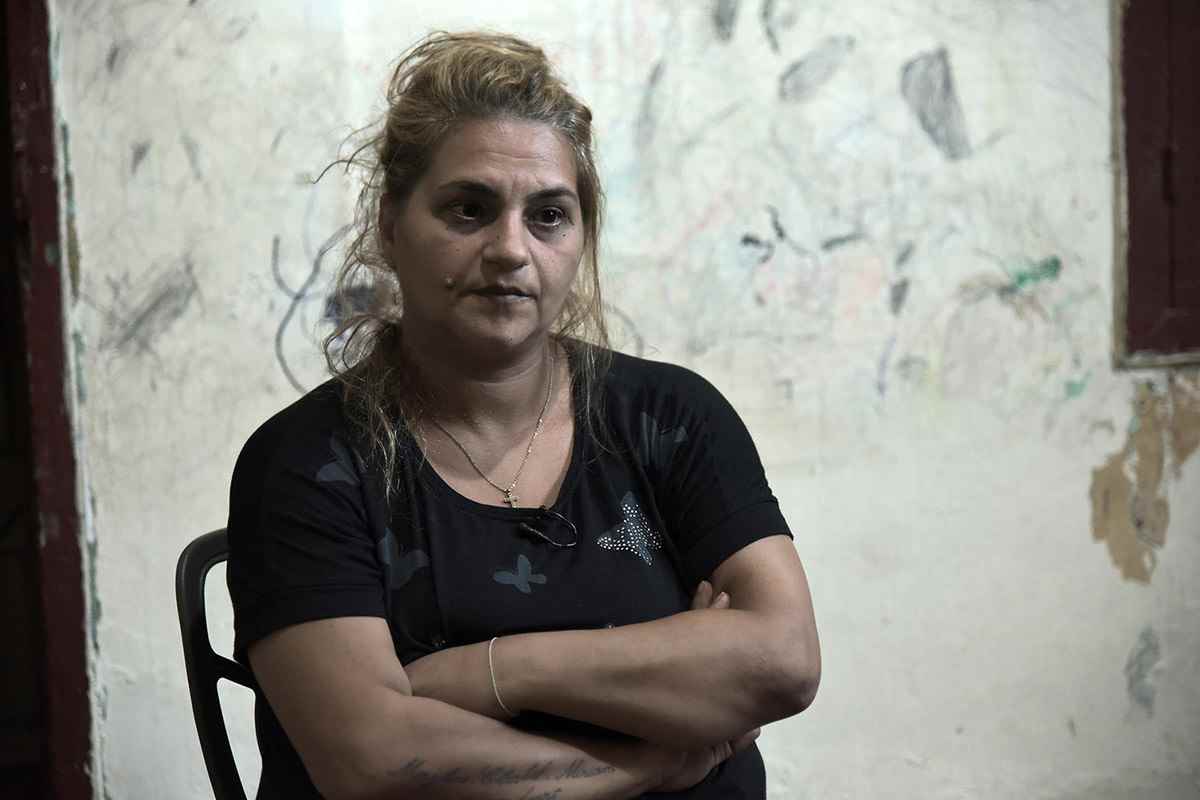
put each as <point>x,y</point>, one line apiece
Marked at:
<point>1129,506</point>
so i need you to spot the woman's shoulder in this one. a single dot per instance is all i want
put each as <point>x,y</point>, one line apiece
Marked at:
<point>309,423</point>
<point>629,374</point>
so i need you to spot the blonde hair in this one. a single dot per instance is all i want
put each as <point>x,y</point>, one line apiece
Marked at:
<point>441,82</point>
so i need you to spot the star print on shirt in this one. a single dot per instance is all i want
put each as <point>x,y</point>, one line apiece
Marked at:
<point>521,578</point>
<point>633,533</point>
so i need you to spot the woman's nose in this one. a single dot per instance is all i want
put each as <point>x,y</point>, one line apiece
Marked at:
<point>508,248</point>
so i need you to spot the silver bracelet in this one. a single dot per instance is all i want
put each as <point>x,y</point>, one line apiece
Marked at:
<point>492,671</point>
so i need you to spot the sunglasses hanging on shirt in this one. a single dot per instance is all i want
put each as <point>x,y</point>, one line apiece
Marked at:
<point>552,527</point>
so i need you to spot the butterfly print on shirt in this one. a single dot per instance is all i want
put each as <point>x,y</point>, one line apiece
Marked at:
<point>341,469</point>
<point>520,579</point>
<point>634,533</point>
<point>402,567</point>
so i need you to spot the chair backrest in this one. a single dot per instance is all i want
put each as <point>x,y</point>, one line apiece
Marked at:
<point>204,666</point>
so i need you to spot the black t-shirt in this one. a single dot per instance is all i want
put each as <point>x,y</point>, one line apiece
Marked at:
<point>677,489</point>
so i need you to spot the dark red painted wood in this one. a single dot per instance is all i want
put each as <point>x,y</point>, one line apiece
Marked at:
<point>1160,142</point>
<point>36,251</point>
<point>1146,102</point>
<point>1185,142</point>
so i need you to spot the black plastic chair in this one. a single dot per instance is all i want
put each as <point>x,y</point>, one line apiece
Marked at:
<point>204,666</point>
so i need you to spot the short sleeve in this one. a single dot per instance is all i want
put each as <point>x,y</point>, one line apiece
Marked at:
<point>301,546</point>
<point>711,490</point>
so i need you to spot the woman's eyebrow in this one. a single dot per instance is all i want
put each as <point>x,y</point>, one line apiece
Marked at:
<point>554,193</point>
<point>477,187</point>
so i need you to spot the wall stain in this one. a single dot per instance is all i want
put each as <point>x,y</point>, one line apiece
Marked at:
<point>928,86</point>
<point>1031,274</point>
<point>834,242</point>
<point>898,295</point>
<point>164,301</point>
<point>1076,386</point>
<point>1017,288</point>
<point>724,17</point>
<point>762,250</point>
<point>113,57</point>
<point>1139,669</point>
<point>776,16</point>
<point>801,80</point>
<point>138,155</point>
<point>192,149</point>
<point>1130,513</point>
<point>647,120</point>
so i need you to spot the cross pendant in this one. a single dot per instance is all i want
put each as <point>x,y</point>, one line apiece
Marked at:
<point>510,498</point>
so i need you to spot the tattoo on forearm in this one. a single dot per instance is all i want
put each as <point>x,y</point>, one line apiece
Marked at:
<point>416,771</point>
<point>579,768</point>
<point>534,772</point>
<point>529,794</point>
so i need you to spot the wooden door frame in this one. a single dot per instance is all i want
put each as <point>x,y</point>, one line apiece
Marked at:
<point>35,251</point>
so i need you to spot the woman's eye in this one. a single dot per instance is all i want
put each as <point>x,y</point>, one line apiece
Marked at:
<point>550,217</point>
<point>467,211</point>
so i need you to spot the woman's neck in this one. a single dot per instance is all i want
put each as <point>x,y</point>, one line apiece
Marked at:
<point>487,397</point>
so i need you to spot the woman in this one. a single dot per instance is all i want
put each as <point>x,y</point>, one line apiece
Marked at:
<point>490,559</point>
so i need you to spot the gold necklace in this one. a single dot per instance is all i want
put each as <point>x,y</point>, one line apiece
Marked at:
<point>509,497</point>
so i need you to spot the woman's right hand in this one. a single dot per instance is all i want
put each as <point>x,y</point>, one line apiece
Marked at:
<point>693,766</point>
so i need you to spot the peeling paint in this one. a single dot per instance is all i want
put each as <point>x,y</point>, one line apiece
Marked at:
<point>1129,506</point>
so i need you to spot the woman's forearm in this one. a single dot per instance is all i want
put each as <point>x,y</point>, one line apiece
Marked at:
<point>688,680</point>
<point>453,753</point>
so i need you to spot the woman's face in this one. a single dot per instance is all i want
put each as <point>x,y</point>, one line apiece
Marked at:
<point>498,213</point>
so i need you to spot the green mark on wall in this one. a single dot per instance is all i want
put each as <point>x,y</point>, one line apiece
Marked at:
<point>1031,274</point>
<point>1075,387</point>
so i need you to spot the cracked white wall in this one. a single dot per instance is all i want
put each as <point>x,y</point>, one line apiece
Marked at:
<point>884,229</point>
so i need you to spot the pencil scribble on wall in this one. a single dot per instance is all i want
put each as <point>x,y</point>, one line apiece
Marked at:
<point>297,296</point>
<point>725,18</point>
<point>777,16</point>
<point>927,84</point>
<point>626,333</point>
<point>137,326</point>
<point>192,148</point>
<point>801,80</point>
<point>137,154</point>
<point>647,119</point>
